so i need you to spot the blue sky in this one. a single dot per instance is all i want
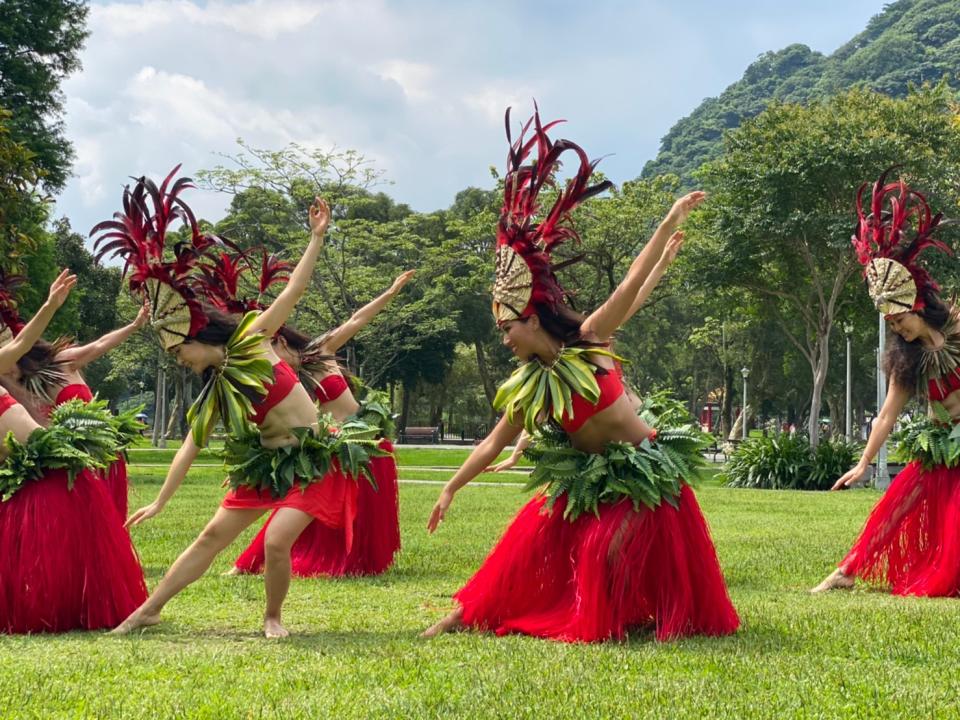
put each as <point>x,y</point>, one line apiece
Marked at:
<point>417,86</point>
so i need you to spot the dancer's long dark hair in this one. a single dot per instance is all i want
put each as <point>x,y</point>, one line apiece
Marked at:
<point>42,355</point>
<point>901,360</point>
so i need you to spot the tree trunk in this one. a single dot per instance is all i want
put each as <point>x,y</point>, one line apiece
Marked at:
<point>158,393</point>
<point>726,406</point>
<point>176,408</point>
<point>819,379</point>
<point>488,387</point>
<point>405,408</point>
<point>161,419</point>
<point>437,401</point>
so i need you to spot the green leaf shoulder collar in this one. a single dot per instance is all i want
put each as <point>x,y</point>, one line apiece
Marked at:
<point>245,371</point>
<point>534,387</point>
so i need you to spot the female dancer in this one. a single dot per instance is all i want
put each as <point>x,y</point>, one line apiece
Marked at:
<point>67,562</point>
<point>376,528</point>
<point>669,255</point>
<point>243,365</point>
<point>585,560</point>
<point>910,541</point>
<point>51,375</point>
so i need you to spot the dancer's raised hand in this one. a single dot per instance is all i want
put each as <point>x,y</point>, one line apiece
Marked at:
<point>439,510</point>
<point>143,317</point>
<point>402,279</point>
<point>684,206</point>
<point>672,249</point>
<point>61,287</point>
<point>319,217</point>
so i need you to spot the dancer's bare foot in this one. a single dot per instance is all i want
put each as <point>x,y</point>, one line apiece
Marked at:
<point>836,580</point>
<point>273,629</point>
<point>136,620</point>
<point>232,572</point>
<point>453,621</point>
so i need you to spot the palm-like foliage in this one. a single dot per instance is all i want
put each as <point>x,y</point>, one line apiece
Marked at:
<point>225,396</point>
<point>787,462</point>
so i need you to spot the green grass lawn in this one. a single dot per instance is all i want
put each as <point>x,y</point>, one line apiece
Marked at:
<point>425,457</point>
<point>355,652</point>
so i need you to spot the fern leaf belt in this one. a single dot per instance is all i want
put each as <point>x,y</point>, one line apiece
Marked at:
<point>930,441</point>
<point>347,448</point>
<point>374,410</point>
<point>81,436</point>
<point>648,473</point>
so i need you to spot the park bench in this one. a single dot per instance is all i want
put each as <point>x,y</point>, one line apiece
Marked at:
<point>420,434</point>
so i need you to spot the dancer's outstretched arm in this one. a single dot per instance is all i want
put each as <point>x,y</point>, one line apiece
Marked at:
<point>339,337</point>
<point>80,356</point>
<point>605,320</point>
<point>492,445</point>
<point>897,398</point>
<point>178,471</point>
<point>276,315</point>
<point>33,330</point>
<point>653,279</point>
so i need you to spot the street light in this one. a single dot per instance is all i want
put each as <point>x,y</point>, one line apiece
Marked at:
<point>745,372</point>
<point>848,331</point>
<point>882,481</point>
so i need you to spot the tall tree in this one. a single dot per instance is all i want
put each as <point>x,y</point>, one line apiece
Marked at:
<point>781,215</point>
<point>21,212</point>
<point>40,43</point>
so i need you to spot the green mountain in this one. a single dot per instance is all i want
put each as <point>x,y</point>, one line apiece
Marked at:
<point>911,41</point>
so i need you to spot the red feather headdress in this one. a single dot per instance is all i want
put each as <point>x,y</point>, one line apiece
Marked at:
<point>138,234</point>
<point>525,277</point>
<point>222,280</point>
<point>895,280</point>
<point>10,322</point>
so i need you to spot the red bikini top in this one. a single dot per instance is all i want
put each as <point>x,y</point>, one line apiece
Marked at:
<point>6,402</point>
<point>330,388</point>
<point>939,389</point>
<point>611,387</point>
<point>284,379</point>
<point>72,392</point>
<point>67,393</point>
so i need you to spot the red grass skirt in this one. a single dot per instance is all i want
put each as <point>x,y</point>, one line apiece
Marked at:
<point>116,478</point>
<point>595,578</point>
<point>66,562</point>
<point>911,540</point>
<point>332,501</point>
<point>322,550</point>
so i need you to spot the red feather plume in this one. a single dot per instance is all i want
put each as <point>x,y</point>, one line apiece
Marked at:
<point>138,235</point>
<point>522,226</point>
<point>9,314</point>
<point>896,210</point>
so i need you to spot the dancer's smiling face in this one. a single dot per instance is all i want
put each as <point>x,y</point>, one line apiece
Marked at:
<point>198,356</point>
<point>908,325</point>
<point>521,336</point>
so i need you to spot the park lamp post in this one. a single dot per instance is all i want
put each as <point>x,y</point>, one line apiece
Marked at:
<point>882,480</point>
<point>848,331</point>
<point>745,372</point>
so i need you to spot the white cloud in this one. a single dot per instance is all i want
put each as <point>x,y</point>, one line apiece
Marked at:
<point>417,86</point>
<point>260,18</point>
